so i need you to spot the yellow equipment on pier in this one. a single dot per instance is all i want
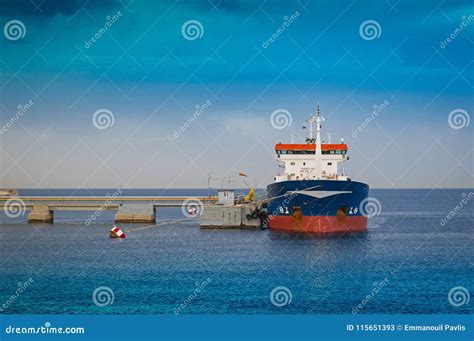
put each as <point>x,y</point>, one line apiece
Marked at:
<point>250,197</point>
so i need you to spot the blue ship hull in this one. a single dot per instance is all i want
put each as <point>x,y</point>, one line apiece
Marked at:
<point>317,205</point>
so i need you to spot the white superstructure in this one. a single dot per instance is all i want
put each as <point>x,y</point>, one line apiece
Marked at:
<point>311,160</point>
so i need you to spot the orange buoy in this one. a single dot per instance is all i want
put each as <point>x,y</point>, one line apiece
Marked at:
<point>116,232</point>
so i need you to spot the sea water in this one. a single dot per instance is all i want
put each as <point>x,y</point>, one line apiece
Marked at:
<point>408,262</point>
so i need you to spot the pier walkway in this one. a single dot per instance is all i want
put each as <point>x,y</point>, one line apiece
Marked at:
<point>128,209</point>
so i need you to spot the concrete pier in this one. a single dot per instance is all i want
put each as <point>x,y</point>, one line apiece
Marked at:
<point>135,213</point>
<point>8,192</point>
<point>41,214</point>
<point>228,216</point>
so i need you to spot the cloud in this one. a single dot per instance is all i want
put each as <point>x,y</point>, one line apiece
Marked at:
<point>244,123</point>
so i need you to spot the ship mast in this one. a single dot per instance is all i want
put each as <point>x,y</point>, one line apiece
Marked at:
<point>318,133</point>
<point>317,141</point>
<point>317,154</point>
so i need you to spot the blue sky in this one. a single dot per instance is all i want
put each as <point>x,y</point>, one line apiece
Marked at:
<point>145,72</point>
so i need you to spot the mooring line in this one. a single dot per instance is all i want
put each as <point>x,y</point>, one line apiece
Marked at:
<point>160,224</point>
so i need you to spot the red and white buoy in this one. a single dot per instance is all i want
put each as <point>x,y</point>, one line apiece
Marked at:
<point>116,232</point>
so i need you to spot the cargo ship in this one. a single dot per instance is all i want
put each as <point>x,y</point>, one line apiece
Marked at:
<point>312,193</point>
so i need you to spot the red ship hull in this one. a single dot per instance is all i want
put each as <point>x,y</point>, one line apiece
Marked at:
<point>318,224</point>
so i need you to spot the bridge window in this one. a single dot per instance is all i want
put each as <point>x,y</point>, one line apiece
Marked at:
<point>307,152</point>
<point>292,163</point>
<point>329,163</point>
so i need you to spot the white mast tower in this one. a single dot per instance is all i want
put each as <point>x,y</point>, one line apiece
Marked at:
<point>310,139</point>
<point>317,155</point>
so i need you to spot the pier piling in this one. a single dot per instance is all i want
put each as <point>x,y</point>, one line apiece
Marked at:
<point>135,213</point>
<point>41,214</point>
